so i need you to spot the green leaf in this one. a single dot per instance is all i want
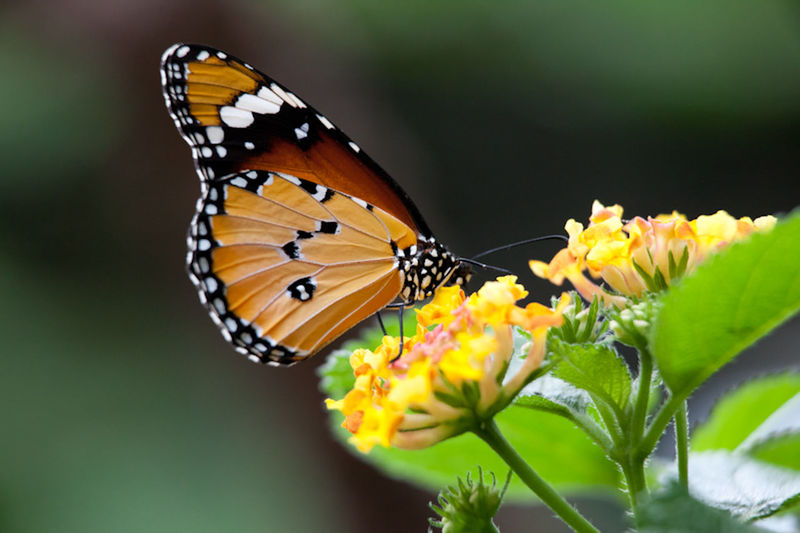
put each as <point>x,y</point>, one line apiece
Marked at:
<point>785,420</point>
<point>741,411</point>
<point>732,300</point>
<point>553,395</point>
<point>783,450</point>
<point>673,510</point>
<point>597,369</point>
<point>746,487</point>
<point>554,447</point>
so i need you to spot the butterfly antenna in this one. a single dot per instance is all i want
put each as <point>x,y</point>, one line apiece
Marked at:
<point>484,265</point>
<point>518,243</point>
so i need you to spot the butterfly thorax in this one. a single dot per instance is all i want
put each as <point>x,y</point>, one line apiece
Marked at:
<point>425,266</point>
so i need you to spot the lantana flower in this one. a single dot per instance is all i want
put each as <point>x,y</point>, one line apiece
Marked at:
<point>642,254</point>
<point>452,372</point>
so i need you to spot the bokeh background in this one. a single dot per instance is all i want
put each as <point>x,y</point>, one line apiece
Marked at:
<point>122,407</point>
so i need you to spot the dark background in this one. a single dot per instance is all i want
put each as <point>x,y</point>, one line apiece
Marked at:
<point>122,407</point>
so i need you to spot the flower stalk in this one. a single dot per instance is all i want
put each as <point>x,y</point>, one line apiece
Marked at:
<point>682,444</point>
<point>491,435</point>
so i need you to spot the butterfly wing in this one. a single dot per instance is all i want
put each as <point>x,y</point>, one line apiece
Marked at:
<point>283,271</point>
<point>235,118</point>
<point>298,235</point>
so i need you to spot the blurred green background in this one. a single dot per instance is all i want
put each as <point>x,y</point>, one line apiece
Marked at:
<point>124,410</point>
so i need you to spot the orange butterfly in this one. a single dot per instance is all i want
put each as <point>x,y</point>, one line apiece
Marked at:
<point>298,235</point>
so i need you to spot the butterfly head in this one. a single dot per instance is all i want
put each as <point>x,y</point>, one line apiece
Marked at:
<point>462,273</point>
<point>428,265</point>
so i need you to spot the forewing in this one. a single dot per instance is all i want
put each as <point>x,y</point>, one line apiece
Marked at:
<point>236,118</point>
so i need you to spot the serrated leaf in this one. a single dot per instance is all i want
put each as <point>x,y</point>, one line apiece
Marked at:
<point>742,485</point>
<point>736,297</point>
<point>743,410</point>
<point>556,391</point>
<point>597,369</point>
<point>543,404</point>
<point>673,510</point>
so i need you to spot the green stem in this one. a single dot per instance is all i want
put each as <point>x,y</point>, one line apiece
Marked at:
<point>633,462</point>
<point>633,470</point>
<point>656,429</point>
<point>682,444</point>
<point>642,396</point>
<point>490,434</point>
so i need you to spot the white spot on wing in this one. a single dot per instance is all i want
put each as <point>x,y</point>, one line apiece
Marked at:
<point>182,51</point>
<point>202,56</point>
<point>235,117</point>
<point>252,174</point>
<point>285,97</point>
<point>354,146</point>
<point>211,284</point>
<point>222,151</point>
<point>249,145</point>
<point>297,101</point>
<point>251,102</point>
<point>302,131</point>
<point>215,134</point>
<point>325,122</point>
<point>289,178</point>
<point>320,194</point>
<point>206,151</point>
<point>239,182</point>
<point>270,96</point>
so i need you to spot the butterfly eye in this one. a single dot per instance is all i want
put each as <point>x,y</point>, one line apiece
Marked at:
<point>299,235</point>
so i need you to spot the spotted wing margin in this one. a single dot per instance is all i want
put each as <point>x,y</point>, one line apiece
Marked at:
<point>285,266</point>
<point>235,117</point>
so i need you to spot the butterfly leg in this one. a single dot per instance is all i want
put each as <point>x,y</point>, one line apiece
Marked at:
<point>401,307</point>
<point>380,322</point>
<point>400,314</point>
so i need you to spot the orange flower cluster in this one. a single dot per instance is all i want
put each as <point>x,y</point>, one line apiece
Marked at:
<point>641,254</point>
<point>452,373</point>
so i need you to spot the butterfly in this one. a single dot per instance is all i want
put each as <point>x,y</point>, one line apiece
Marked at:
<point>298,235</point>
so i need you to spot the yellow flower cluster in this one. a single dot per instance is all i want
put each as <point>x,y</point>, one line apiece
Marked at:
<point>641,254</point>
<point>451,374</point>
